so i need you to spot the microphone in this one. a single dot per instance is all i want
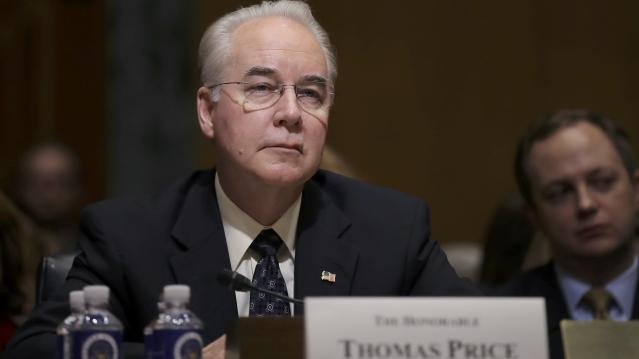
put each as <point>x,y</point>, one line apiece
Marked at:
<point>235,281</point>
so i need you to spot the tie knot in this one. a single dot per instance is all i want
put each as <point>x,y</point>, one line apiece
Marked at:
<point>599,300</point>
<point>267,243</point>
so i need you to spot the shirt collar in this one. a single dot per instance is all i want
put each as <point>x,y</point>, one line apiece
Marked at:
<point>240,229</point>
<point>621,288</point>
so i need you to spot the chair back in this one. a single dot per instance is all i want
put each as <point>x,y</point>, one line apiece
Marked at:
<point>52,273</point>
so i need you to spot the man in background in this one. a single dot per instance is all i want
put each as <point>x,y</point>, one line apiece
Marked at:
<point>48,187</point>
<point>268,74</point>
<point>47,190</point>
<point>579,178</point>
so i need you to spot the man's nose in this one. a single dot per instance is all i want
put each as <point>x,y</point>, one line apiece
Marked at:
<point>288,112</point>
<point>586,202</point>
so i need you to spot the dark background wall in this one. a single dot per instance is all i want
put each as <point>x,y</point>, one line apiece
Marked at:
<point>52,82</point>
<point>431,95</point>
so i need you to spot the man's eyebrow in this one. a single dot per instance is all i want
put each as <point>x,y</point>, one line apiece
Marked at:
<point>260,71</point>
<point>314,79</point>
<point>267,71</point>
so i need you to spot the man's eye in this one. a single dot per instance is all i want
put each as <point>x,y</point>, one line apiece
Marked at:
<point>309,92</point>
<point>314,95</point>
<point>557,194</point>
<point>602,183</point>
<point>259,88</point>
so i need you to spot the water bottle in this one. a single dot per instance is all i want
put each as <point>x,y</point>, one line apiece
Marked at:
<point>150,348</point>
<point>99,333</point>
<point>177,333</point>
<point>76,302</point>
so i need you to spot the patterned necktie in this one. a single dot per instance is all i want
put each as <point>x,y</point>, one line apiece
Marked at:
<point>267,275</point>
<point>599,300</point>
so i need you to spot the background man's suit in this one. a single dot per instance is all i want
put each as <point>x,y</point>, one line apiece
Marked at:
<point>376,241</point>
<point>542,282</point>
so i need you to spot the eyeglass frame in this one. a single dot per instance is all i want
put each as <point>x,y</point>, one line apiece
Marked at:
<point>280,89</point>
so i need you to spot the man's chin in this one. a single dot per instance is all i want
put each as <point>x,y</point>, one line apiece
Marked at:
<point>285,176</point>
<point>601,249</point>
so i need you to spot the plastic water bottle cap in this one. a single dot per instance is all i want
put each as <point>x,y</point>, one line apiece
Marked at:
<point>76,299</point>
<point>177,293</point>
<point>96,294</point>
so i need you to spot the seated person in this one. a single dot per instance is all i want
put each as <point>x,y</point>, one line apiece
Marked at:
<point>268,75</point>
<point>507,240</point>
<point>48,188</point>
<point>578,176</point>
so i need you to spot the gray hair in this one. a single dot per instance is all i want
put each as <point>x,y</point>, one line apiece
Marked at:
<point>215,46</point>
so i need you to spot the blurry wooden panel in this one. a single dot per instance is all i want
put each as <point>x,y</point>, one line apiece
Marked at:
<point>80,111</point>
<point>52,81</point>
<point>25,77</point>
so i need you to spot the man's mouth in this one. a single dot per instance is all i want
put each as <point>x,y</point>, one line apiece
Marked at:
<point>593,231</point>
<point>286,147</point>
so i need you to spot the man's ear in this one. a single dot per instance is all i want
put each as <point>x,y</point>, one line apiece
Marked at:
<point>205,112</point>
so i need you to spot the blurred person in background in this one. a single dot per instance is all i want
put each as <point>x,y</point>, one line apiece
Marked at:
<point>334,162</point>
<point>578,176</point>
<point>466,257</point>
<point>48,187</point>
<point>507,240</point>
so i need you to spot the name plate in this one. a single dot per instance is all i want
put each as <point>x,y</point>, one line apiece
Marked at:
<point>594,339</point>
<point>391,327</point>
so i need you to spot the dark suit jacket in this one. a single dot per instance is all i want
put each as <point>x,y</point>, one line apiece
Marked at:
<point>542,282</point>
<point>376,241</point>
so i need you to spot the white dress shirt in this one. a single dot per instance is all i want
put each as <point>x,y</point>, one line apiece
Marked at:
<point>240,230</point>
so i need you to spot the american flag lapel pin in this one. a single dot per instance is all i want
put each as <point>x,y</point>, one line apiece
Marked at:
<point>328,276</point>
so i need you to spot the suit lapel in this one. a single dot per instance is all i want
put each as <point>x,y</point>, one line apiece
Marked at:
<point>319,247</point>
<point>556,308</point>
<point>555,301</point>
<point>200,232</point>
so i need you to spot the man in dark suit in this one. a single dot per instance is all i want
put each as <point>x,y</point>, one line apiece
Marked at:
<point>268,73</point>
<point>578,175</point>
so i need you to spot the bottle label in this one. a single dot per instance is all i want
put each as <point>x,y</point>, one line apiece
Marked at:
<point>96,344</point>
<point>178,343</point>
<point>149,346</point>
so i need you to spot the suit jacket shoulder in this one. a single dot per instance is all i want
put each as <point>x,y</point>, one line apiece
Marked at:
<point>376,239</point>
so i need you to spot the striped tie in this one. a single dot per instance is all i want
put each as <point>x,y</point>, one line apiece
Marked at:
<point>599,300</point>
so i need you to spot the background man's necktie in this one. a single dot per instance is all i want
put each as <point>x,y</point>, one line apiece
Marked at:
<point>599,300</point>
<point>267,275</point>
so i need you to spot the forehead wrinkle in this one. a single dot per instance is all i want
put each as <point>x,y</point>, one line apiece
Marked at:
<point>285,49</point>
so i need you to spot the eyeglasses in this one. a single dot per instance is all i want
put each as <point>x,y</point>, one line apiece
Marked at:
<point>314,97</point>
